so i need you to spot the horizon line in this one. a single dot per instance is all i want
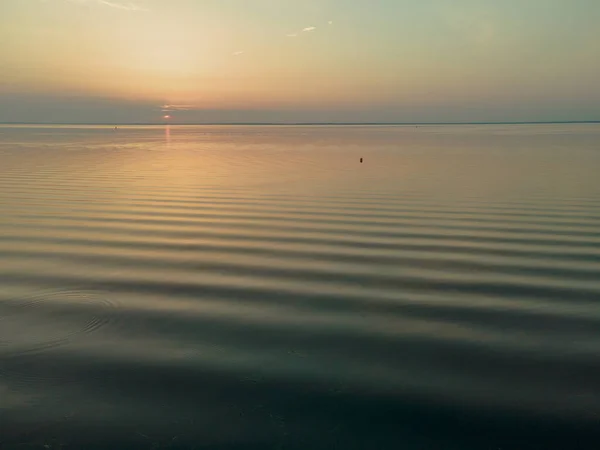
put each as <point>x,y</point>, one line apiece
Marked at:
<point>308,123</point>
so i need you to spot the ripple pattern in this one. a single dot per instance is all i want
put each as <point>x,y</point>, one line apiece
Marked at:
<point>46,320</point>
<point>260,279</point>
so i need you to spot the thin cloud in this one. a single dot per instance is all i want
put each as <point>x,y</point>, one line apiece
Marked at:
<point>238,53</point>
<point>125,6</point>
<point>171,108</point>
<point>303,30</point>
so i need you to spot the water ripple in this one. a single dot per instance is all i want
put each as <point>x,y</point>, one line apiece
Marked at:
<point>257,282</point>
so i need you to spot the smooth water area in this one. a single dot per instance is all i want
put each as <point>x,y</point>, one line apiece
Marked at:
<point>258,287</point>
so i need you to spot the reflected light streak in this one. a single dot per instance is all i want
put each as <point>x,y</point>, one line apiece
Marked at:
<point>168,134</point>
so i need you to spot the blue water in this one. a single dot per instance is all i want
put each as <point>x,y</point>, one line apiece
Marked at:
<point>257,287</point>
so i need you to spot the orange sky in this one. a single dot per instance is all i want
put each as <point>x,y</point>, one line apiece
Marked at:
<point>378,60</point>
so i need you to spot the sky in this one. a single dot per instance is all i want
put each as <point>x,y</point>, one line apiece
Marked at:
<point>199,61</point>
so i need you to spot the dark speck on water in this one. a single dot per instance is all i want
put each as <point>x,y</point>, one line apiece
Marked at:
<point>237,287</point>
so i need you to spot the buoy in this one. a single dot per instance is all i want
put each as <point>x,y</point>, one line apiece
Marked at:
<point>360,159</point>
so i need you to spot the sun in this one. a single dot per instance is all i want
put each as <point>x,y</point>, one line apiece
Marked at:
<point>167,116</point>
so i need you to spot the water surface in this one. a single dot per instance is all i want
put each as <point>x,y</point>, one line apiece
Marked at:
<point>231,287</point>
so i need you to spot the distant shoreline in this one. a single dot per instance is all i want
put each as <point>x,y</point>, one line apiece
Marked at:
<point>305,123</point>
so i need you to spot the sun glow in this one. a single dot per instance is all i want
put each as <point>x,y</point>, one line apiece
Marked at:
<point>172,47</point>
<point>159,55</point>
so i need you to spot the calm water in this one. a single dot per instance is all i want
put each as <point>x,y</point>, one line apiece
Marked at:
<point>258,287</point>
